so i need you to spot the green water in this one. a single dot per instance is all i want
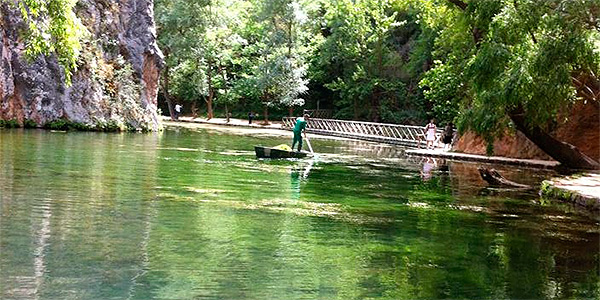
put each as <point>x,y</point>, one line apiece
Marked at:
<point>194,215</point>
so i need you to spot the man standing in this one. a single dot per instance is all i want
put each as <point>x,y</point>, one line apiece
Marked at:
<point>177,111</point>
<point>299,128</point>
<point>250,117</point>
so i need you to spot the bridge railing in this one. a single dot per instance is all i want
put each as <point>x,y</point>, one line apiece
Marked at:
<point>407,135</point>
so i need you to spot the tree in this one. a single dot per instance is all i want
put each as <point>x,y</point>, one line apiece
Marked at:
<point>367,59</point>
<point>281,72</point>
<point>522,61</point>
<point>217,48</point>
<point>179,26</point>
<point>205,49</point>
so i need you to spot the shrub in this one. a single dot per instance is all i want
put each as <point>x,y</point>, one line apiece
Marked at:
<point>9,124</point>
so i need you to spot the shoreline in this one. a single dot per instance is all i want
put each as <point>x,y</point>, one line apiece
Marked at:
<point>581,189</point>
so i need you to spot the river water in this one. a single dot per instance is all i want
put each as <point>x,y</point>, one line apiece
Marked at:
<point>192,214</point>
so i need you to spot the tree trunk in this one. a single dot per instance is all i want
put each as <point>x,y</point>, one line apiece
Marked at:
<point>291,111</point>
<point>211,93</point>
<point>227,112</point>
<point>166,92</point>
<point>374,114</point>
<point>194,109</point>
<point>376,95</point>
<point>494,178</point>
<point>567,154</point>
<point>223,71</point>
<point>266,114</point>
<point>209,108</point>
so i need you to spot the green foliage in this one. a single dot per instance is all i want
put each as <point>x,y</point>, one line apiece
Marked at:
<point>442,85</point>
<point>251,51</point>
<point>107,126</point>
<point>366,60</point>
<point>53,27</point>
<point>113,126</point>
<point>28,123</point>
<point>500,57</point>
<point>9,124</point>
<point>186,82</point>
<point>281,72</point>
<point>123,92</point>
<point>64,124</point>
<point>358,55</point>
<point>374,59</point>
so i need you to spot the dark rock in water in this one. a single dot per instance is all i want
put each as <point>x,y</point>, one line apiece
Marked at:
<point>116,83</point>
<point>494,178</point>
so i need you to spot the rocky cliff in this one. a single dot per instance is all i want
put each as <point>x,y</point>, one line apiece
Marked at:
<point>115,85</point>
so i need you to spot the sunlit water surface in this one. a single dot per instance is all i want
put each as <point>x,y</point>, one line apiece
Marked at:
<point>192,214</point>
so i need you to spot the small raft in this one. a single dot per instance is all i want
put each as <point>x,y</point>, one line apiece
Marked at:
<point>265,152</point>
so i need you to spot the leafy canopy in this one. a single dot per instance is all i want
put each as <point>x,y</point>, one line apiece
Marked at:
<point>510,56</point>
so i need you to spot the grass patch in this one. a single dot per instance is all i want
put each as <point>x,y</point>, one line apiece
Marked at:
<point>63,124</point>
<point>67,125</point>
<point>28,123</point>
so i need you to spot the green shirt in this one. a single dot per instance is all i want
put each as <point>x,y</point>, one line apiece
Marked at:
<point>300,125</point>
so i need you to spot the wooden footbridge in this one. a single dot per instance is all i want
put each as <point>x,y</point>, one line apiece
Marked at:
<point>406,135</point>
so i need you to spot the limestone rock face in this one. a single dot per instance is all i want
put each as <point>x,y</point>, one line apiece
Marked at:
<point>117,77</point>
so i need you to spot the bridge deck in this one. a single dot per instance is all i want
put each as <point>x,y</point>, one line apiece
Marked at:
<point>406,135</point>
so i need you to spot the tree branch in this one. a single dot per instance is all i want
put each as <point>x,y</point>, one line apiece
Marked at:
<point>462,5</point>
<point>533,37</point>
<point>586,84</point>
<point>476,32</point>
<point>529,29</point>
<point>567,154</point>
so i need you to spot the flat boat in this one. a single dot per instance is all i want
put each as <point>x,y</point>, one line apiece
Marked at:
<point>266,152</point>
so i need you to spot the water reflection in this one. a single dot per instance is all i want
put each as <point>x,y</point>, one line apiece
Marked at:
<point>428,165</point>
<point>193,215</point>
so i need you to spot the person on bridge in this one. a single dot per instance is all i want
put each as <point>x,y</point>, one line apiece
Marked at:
<point>448,136</point>
<point>430,131</point>
<point>299,128</point>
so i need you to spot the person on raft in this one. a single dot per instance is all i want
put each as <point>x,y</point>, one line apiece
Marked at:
<point>299,128</point>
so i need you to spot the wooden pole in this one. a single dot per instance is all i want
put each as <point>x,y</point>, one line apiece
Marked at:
<point>309,145</point>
